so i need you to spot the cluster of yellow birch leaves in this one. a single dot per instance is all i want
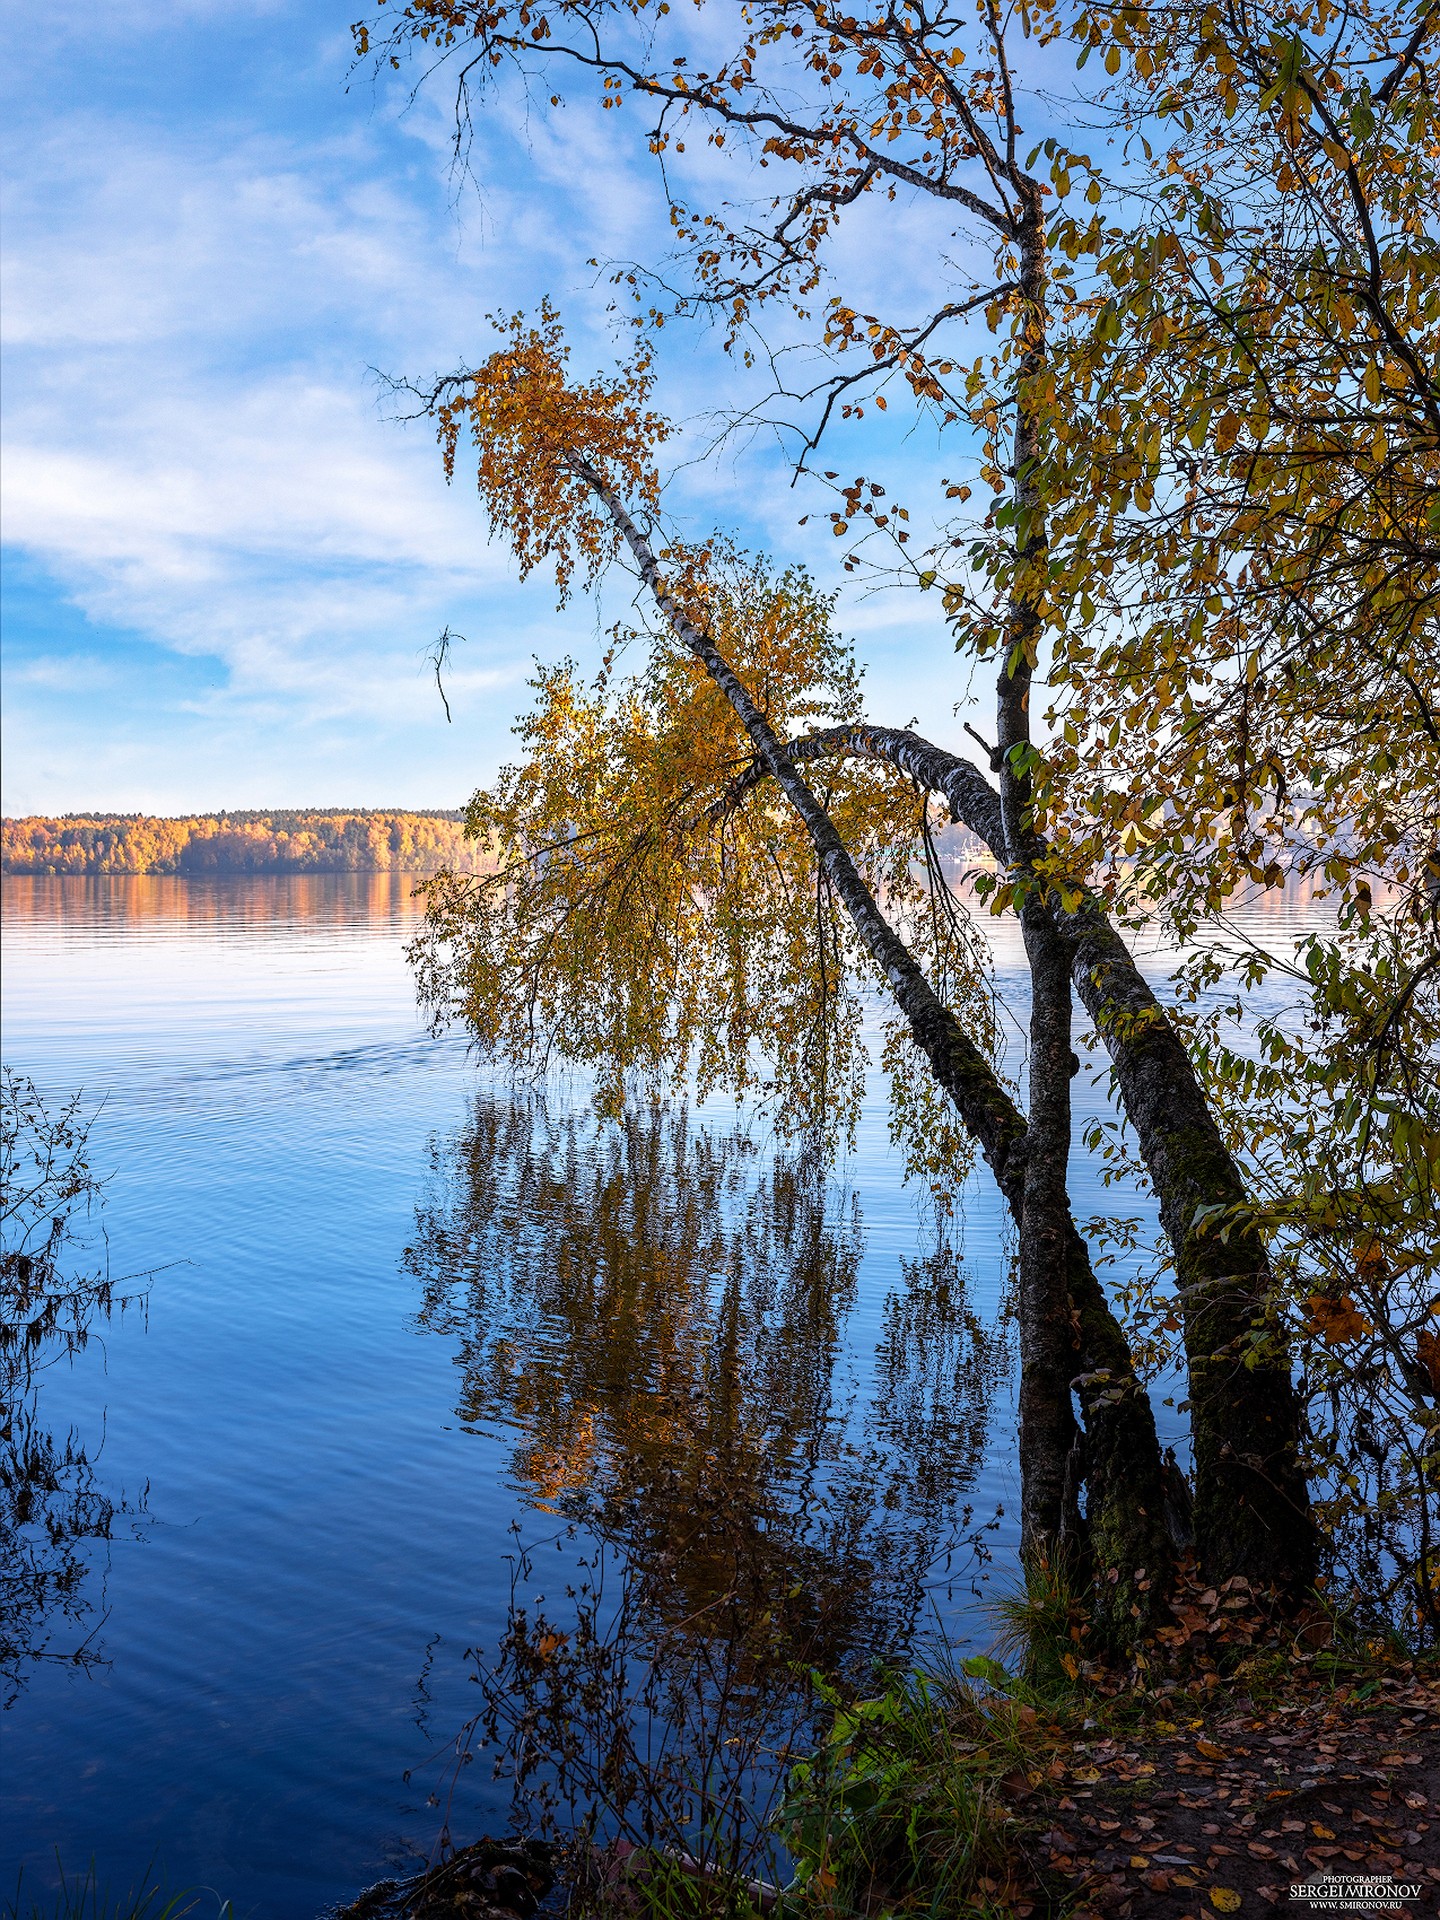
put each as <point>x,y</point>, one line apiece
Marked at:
<point>648,915</point>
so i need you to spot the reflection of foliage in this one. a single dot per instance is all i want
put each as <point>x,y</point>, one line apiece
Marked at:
<point>642,1741</point>
<point>656,1316</point>
<point>654,1312</point>
<point>937,1367</point>
<point>51,1505</point>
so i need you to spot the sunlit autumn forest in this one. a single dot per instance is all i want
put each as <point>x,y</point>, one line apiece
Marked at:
<point>342,840</point>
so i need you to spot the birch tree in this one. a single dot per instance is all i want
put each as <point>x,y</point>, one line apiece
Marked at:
<point>923,104</point>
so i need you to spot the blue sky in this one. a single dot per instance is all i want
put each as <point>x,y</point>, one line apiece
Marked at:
<point>222,560</point>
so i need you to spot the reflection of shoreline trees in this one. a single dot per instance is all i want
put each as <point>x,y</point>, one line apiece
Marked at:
<point>654,1312</point>
<point>223,904</point>
<point>53,1510</point>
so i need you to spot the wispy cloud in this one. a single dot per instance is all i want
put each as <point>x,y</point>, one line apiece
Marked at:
<point>207,261</point>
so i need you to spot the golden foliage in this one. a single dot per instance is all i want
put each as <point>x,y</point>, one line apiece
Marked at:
<point>528,422</point>
<point>1246,458</point>
<point>652,913</point>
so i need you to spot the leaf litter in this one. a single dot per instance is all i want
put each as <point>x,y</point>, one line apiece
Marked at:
<point>1222,1807</point>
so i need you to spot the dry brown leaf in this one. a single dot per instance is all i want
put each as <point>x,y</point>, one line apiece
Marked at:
<point>1337,1321</point>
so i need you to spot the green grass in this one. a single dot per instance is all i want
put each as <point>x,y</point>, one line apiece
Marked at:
<point>84,1898</point>
<point>901,1803</point>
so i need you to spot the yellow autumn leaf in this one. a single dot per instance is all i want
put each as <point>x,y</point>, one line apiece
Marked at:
<point>1225,1899</point>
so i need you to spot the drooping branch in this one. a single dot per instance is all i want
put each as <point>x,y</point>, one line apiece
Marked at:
<point>1246,1460</point>
<point>957,1062</point>
<point>1126,1488</point>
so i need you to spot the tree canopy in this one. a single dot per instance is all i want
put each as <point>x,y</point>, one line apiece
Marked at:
<point>1205,411</point>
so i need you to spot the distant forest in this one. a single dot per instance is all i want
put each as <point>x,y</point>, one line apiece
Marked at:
<point>303,840</point>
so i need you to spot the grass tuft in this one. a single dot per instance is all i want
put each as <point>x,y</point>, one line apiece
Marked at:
<point>901,1801</point>
<point>84,1898</point>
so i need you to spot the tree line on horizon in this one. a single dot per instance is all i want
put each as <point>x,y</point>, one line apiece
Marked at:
<point>284,840</point>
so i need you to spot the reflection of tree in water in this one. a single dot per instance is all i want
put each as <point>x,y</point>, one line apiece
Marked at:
<point>52,1507</point>
<point>655,1311</point>
<point>938,1367</point>
<point>653,1315</point>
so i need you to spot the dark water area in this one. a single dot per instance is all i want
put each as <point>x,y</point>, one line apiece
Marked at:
<point>405,1317</point>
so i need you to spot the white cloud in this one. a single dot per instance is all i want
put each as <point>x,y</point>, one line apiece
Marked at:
<point>195,450</point>
<point>198,454</point>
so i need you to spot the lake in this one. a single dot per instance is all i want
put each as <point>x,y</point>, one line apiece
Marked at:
<point>404,1317</point>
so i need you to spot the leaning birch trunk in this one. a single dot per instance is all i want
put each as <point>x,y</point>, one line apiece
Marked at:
<point>1125,1505</point>
<point>1252,1511</point>
<point>1252,1505</point>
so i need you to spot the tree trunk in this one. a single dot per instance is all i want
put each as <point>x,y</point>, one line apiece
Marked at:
<point>1047,1423</point>
<point>1252,1508</point>
<point>1120,1426</point>
<point>1252,1511</point>
<point>1047,1419</point>
<point>1131,1554</point>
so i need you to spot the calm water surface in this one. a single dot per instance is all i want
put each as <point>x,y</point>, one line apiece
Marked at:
<point>401,1308</point>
